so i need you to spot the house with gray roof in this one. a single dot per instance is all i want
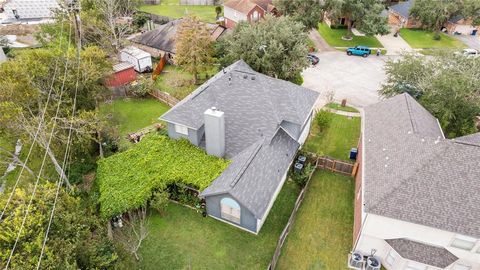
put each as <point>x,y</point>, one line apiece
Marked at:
<point>399,15</point>
<point>417,203</point>
<point>257,122</point>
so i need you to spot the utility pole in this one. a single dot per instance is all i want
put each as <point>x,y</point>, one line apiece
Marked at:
<point>75,6</point>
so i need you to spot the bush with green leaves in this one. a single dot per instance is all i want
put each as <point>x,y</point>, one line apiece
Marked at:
<point>127,180</point>
<point>301,178</point>
<point>159,200</point>
<point>323,119</point>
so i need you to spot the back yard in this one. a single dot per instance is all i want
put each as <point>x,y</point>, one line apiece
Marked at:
<point>337,140</point>
<point>334,38</point>
<point>183,239</point>
<point>173,9</point>
<point>421,39</point>
<point>321,236</point>
<point>130,115</point>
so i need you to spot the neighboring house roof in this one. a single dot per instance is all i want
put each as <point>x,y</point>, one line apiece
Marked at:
<point>163,38</point>
<point>456,19</point>
<point>254,175</point>
<point>423,253</point>
<point>254,105</point>
<point>245,6</point>
<point>412,173</point>
<point>403,8</point>
<point>263,121</point>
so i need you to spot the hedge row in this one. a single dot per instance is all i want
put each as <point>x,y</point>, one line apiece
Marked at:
<point>126,180</point>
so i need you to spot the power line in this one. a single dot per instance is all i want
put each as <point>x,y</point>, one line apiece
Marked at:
<point>42,118</point>
<point>46,153</point>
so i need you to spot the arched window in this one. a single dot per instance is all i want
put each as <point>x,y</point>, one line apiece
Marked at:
<point>230,210</point>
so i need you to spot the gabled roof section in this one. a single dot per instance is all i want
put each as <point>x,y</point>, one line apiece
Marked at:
<point>255,174</point>
<point>423,253</point>
<point>412,173</point>
<point>472,139</point>
<point>254,105</point>
<point>403,8</point>
<point>245,6</point>
<point>163,37</point>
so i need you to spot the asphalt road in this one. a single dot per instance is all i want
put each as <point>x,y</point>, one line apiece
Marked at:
<point>352,77</point>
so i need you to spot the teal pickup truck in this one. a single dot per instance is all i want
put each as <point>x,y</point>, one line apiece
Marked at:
<point>359,50</point>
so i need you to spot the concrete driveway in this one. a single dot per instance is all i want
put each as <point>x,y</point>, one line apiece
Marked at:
<point>355,78</point>
<point>471,41</point>
<point>394,45</point>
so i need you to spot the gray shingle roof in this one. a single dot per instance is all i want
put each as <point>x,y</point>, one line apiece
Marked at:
<point>403,8</point>
<point>255,173</point>
<point>423,253</point>
<point>413,174</point>
<point>163,38</point>
<point>470,139</point>
<point>254,108</point>
<point>263,120</point>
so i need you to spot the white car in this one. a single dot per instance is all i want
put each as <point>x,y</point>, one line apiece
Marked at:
<point>469,53</point>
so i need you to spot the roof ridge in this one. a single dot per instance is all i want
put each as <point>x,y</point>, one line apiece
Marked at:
<point>409,110</point>
<point>246,164</point>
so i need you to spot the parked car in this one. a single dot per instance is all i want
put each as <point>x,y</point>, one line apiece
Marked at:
<point>469,53</point>
<point>313,59</point>
<point>359,50</point>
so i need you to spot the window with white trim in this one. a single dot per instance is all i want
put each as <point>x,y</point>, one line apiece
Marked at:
<point>181,129</point>
<point>390,259</point>
<point>463,242</point>
<point>256,16</point>
<point>230,210</point>
<point>459,266</point>
<point>415,266</point>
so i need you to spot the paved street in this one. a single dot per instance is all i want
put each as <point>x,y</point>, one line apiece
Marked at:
<point>355,78</point>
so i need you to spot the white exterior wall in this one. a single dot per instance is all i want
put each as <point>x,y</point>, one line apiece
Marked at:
<point>377,228</point>
<point>234,15</point>
<point>306,130</point>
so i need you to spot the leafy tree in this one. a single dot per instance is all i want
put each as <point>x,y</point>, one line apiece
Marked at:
<point>445,84</point>
<point>433,14</point>
<point>35,76</point>
<point>70,245</point>
<point>193,46</point>
<point>218,11</point>
<point>140,19</point>
<point>308,12</point>
<point>471,9</point>
<point>159,201</point>
<point>275,47</point>
<point>363,14</point>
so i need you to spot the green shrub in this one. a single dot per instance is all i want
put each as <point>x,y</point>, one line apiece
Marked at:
<point>126,180</point>
<point>301,178</point>
<point>323,120</point>
<point>437,36</point>
<point>159,201</point>
<point>298,79</point>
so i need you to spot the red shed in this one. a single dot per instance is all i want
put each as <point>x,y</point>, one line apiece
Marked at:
<point>123,74</point>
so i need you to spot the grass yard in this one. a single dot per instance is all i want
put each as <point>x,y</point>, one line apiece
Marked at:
<point>334,38</point>
<point>179,83</point>
<point>421,39</point>
<point>336,141</point>
<point>183,239</point>
<point>173,9</point>
<point>321,237</point>
<point>339,107</point>
<point>130,115</point>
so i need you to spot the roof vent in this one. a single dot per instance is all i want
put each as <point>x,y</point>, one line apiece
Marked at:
<point>224,71</point>
<point>245,76</point>
<point>230,80</point>
<point>253,78</point>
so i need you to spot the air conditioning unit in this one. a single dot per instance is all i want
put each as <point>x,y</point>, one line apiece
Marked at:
<point>356,260</point>
<point>373,263</point>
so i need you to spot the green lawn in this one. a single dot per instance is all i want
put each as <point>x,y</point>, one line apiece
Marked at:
<point>339,107</point>
<point>183,239</point>
<point>321,237</point>
<point>421,39</point>
<point>130,115</point>
<point>173,9</point>
<point>337,140</point>
<point>179,83</point>
<point>334,38</point>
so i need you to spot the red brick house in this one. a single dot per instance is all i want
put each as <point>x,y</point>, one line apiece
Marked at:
<point>246,10</point>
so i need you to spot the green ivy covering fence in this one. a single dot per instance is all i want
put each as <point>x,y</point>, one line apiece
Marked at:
<point>126,180</point>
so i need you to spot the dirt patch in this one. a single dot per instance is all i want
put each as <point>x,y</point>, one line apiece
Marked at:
<point>19,29</point>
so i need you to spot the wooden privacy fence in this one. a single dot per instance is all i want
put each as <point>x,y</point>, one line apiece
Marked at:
<point>164,97</point>
<point>337,166</point>
<point>291,220</point>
